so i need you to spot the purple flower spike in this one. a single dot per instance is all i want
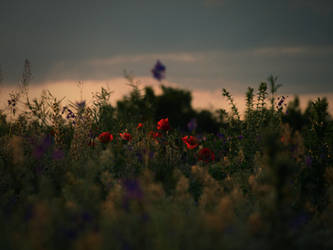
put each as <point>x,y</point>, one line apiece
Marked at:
<point>299,221</point>
<point>192,125</point>
<point>308,161</point>
<point>158,71</point>
<point>81,105</point>
<point>38,152</point>
<point>133,190</point>
<point>220,135</point>
<point>58,154</point>
<point>139,156</point>
<point>42,147</point>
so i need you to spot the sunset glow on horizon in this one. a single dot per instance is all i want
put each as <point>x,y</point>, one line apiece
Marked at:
<point>206,45</point>
<point>212,100</point>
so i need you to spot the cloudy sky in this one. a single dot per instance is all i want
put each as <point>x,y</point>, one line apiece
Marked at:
<point>206,45</point>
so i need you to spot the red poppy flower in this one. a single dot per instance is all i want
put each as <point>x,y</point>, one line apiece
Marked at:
<point>206,155</point>
<point>140,125</point>
<point>190,141</point>
<point>163,124</point>
<point>155,135</point>
<point>105,137</point>
<point>125,136</point>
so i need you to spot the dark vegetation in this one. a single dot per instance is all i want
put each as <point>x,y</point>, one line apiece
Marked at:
<point>262,182</point>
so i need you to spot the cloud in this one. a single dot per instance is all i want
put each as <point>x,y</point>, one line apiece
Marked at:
<point>319,6</point>
<point>294,51</point>
<point>213,3</point>
<point>300,68</point>
<point>101,68</point>
<point>176,57</point>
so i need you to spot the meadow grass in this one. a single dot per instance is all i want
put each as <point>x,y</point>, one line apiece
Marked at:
<point>91,177</point>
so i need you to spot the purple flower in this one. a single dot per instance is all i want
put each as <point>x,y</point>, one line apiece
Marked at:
<point>92,135</point>
<point>308,160</point>
<point>220,135</point>
<point>38,152</point>
<point>192,125</point>
<point>281,101</point>
<point>81,105</point>
<point>151,154</point>
<point>70,114</point>
<point>139,156</point>
<point>63,110</point>
<point>58,154</point>
<point>145,217</point>
<point>299,220</point>
<point>158,71</point>
<point>28,213</point>
<point>132,188</point>
<point>70,233</point>
<point>40,149</point>
<point>86,217</point>
<point>132,192</point>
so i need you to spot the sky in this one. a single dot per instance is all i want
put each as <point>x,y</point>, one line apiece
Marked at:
<point>206,45</point>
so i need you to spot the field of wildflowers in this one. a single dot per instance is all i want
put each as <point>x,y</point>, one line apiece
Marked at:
<point>146,174</point>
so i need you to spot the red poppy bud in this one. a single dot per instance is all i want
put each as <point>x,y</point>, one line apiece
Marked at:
<point>190,141</point>
<point>206,155</point>
<point>163,124</point>
<point>104,137</point>
<point>125,136</point>
<point>155,135</point>
<point>140,125</point>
